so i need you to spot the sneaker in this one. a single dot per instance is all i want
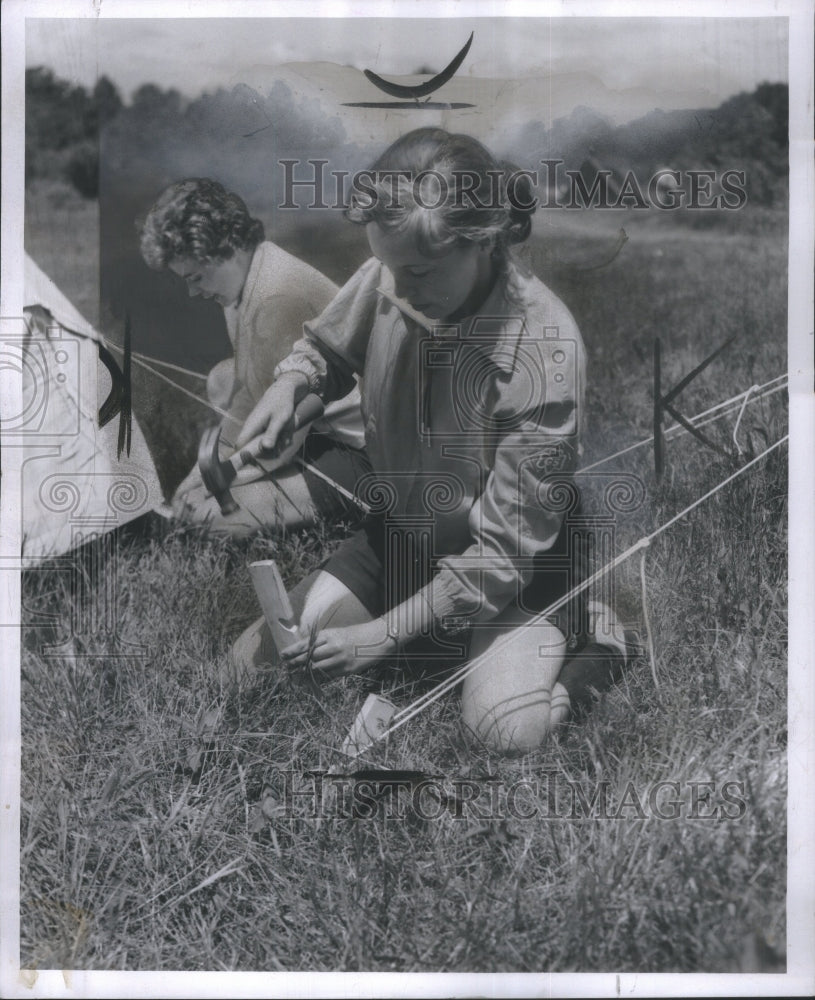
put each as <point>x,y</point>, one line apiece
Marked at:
<point>605,628</point>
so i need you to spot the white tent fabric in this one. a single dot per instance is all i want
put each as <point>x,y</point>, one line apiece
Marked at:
<point>73,487</point>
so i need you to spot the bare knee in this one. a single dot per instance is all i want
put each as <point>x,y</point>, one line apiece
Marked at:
<point>330,603</point>
<point>508,729</point>
<point>283,505</point>
<point>510,702</point>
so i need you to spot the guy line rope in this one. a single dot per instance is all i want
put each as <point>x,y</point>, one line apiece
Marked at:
<point>143,359</point>
<point>774,385</point>
<point>424,701</point>
<point>740,401</point>
<point>421,703</point>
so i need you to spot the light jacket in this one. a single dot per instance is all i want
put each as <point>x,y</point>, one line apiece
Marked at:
<point>474,427</point>
<point>281,292</point>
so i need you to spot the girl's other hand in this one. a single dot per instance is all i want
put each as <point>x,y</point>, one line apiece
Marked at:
<point>336,652</point>
<point>192,481</point>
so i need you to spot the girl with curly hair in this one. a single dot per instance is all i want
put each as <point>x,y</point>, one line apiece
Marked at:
<point>206,236</point>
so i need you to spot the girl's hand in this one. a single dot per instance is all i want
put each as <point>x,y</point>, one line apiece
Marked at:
<point>336,652</point>
<point>192,481</point>
<point>273,411</point>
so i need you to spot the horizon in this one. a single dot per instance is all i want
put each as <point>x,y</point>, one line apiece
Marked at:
<point>701,66</point>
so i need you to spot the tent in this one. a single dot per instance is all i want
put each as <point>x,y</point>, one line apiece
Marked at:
<point>73,483</point>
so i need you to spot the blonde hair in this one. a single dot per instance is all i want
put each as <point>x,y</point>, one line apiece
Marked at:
<point>478,199</point>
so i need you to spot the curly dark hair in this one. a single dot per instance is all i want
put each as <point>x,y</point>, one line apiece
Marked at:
<point>469,197</point>
<point>197,218</point>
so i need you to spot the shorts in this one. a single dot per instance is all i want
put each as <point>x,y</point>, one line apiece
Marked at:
<point>338,462</point>
<point>359,562</point>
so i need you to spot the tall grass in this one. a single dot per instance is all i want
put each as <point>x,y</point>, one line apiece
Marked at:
<point>154,827</point>
<point>62,236</point>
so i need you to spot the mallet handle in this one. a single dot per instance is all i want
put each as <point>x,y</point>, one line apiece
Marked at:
<point>309,408</point>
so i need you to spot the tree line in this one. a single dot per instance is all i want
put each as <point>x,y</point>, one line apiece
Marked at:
<point>63,122</point>
<point>159,127</point>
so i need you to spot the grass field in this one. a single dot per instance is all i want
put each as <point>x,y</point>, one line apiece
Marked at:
<point>153,830</point>
<point>61,234</point>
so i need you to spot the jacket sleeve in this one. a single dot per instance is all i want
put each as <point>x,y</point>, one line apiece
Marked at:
<point>275,328</point>
<point>334,345</point>
<point>519,514</point>
<point>270,331</point>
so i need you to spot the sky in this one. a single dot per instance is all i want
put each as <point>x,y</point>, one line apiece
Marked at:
<point>719,56</point>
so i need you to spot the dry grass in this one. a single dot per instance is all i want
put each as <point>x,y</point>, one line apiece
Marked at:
<point>152,830</point>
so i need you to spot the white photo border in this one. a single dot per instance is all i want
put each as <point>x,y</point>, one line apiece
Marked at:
<point>800,977</point>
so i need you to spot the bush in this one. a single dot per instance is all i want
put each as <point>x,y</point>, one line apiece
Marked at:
<point>83,169</point>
